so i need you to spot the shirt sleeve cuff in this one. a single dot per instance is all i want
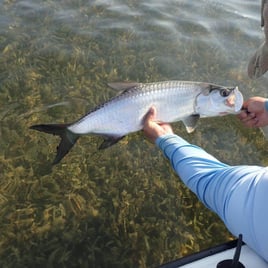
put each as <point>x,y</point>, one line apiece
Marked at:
<point>266,105</point>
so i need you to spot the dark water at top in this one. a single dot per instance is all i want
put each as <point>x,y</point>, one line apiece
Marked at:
<point>123,207</point>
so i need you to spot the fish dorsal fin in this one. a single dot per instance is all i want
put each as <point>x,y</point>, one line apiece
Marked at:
<point>190,122</point>
<point>122,86</point>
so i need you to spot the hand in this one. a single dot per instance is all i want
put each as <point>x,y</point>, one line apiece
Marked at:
<point>152,128</point>
<point>254,113</point>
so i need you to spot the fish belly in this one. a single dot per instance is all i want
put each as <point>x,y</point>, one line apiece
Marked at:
<point>125,113</point>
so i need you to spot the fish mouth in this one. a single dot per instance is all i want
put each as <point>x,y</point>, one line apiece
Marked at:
<point>235,100</point>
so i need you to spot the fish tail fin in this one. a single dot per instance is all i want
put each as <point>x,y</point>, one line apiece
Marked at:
<point>258,63</point>
<point>68,139</point>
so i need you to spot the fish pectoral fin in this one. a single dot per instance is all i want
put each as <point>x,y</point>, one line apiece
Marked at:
<point>109,141</point>
<point>122,86</point>
<point>190,122</point>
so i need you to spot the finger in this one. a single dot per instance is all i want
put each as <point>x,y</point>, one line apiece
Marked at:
<point>150,116</point>
<point>243,114</point>
<point>251,123</point>
<point>249,117</point>
<point>245,104</point>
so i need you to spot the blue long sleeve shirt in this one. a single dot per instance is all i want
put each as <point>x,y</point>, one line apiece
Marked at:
<point>238,194</point>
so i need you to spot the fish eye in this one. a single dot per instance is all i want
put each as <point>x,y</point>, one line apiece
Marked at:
<point>225,92</point>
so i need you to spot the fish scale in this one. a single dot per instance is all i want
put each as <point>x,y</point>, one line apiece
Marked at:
<point>184,101</point>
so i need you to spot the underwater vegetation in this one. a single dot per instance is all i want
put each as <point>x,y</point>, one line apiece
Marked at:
<point>122,207</point>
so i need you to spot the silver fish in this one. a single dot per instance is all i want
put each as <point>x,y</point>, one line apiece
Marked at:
<point>258,63</point>
<point>174,101</point>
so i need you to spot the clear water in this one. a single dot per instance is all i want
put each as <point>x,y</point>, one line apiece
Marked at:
<point>123,207</point>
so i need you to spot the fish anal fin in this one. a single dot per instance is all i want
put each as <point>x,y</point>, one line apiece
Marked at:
<point>122,86</point>
<point>109,141</point>
<point>190,122</point>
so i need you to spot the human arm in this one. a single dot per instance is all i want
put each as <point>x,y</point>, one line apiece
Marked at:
<point>238,194</point>
<point>255,112</point>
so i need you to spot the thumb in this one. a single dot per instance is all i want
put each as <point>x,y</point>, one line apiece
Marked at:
<point>149,117</point>
<point>245,104</point>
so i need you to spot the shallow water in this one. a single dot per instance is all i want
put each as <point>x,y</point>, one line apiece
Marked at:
<point>123,207</point>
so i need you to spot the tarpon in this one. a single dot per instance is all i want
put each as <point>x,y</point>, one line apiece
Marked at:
<point>123,114</point>
<point>258,64</point>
